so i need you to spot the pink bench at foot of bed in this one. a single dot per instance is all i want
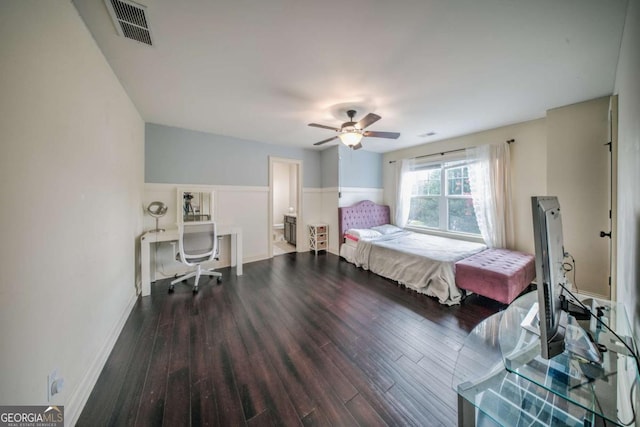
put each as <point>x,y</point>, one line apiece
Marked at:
<point>499,274</point>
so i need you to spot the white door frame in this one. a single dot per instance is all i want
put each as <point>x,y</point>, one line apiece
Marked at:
<point>299,218</point>
<point>613,134</point>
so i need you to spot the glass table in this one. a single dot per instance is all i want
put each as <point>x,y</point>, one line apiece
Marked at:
<point>501,379</point>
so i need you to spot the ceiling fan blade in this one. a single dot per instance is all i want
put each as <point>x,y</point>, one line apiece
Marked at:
<point>375,134</point>
<point>316,125</point>
<point>368,120</point>
<point>325,140</point>
<point>357,146</point>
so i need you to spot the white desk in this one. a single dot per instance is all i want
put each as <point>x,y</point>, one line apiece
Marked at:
<point>171,234</point>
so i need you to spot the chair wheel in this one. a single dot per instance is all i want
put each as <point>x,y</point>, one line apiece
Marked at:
<point>170,289</point>
<point>219,279</point>
<point>195,291</point>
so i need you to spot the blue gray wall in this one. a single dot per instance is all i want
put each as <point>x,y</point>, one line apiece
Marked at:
<point>329,166</point>
<point>181,156</point>
<point>360,168</point>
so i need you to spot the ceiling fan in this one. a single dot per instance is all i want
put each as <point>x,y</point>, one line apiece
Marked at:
<point>351,133</point>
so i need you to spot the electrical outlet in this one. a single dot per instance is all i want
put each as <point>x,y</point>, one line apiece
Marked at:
<point>54,384</point>
<point>50,379</point>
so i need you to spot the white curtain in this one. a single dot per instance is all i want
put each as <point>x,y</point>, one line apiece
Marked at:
<point>490,179</point>
<point>404,182</point>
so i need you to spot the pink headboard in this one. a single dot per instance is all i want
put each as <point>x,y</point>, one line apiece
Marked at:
<point>364,214</point>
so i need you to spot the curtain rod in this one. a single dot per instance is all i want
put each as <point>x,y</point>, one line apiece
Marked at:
<point>508,141</point>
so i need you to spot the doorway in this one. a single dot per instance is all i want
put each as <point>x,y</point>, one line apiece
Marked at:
<point>285,205</point>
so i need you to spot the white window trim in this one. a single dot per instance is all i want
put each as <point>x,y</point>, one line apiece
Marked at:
<point>444,214</point>
<point>451,234</point>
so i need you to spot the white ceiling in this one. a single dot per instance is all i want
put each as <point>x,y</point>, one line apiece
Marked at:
<point>263,70</point>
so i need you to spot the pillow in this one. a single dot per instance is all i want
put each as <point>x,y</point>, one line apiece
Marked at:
<point>387,229</point>
<point>361,233</point>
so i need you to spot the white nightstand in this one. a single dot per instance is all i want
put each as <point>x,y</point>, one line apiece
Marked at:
<point>318,237</point>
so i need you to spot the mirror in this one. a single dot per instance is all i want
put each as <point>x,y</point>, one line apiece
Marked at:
<point>195,205</point>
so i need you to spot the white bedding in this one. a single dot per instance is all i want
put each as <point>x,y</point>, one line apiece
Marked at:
<point>348,249</point>
<point>421,262</point>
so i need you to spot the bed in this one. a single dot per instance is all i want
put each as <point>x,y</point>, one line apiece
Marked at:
<point>420,262</point>
<point>431,265</point>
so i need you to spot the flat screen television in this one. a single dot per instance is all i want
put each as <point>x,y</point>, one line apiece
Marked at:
<point>553,306</point>
<point>547,236</point>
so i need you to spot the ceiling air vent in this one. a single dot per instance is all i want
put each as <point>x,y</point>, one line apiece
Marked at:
<point>130,20</point>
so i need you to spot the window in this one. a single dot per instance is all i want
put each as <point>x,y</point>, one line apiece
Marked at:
<point>441,198</point>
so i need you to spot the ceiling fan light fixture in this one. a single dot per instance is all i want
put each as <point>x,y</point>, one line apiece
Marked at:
<point>351,133</point>
<point>351,138</point>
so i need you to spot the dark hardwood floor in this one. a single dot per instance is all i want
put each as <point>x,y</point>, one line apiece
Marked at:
<point>297,340</point>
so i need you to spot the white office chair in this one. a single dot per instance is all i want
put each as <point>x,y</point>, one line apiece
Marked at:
<point>198,244</point>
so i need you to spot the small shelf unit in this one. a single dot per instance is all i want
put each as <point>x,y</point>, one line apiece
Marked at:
<point>318,237</point>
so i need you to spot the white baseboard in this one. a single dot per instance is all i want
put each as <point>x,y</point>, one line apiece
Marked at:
<point>81,394</point>
<point>590,295</point>
<point>254,258</point>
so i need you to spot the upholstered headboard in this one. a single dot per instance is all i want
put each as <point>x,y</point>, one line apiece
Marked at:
<point>364,214</point>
